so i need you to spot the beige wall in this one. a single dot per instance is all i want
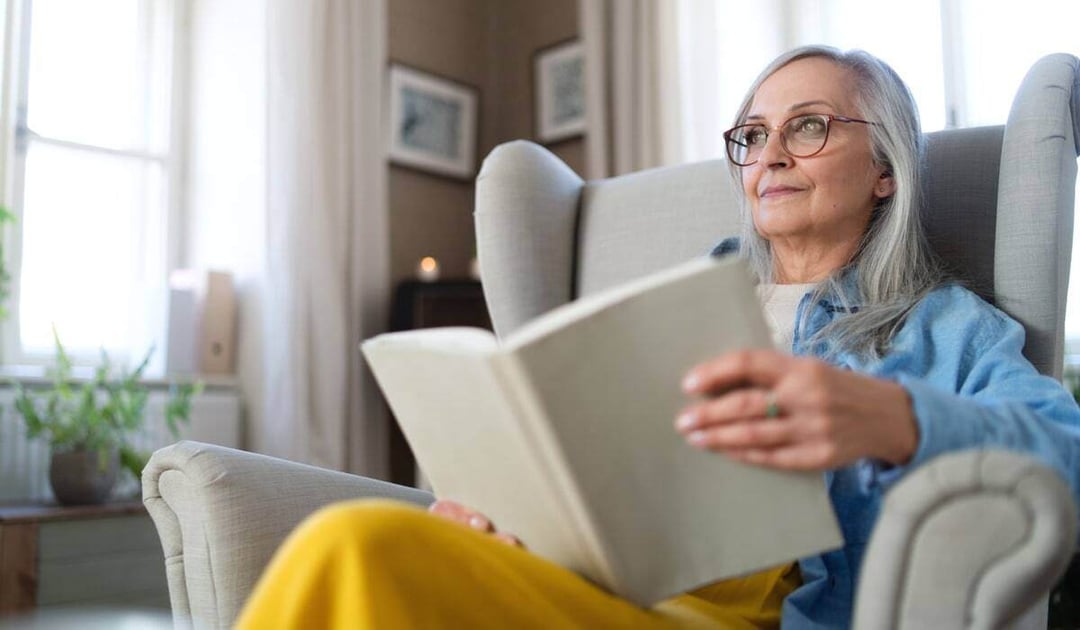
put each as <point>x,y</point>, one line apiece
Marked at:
<point>488,44</point>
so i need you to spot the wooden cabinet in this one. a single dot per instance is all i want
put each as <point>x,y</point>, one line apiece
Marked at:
<point>80,556</point>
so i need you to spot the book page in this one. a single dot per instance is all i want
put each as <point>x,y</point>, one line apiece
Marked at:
<point>469,428</point>
<point>671,517</point>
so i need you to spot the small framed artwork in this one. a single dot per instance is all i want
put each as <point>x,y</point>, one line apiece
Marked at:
<point>559,76</point>
<point>432,122</point>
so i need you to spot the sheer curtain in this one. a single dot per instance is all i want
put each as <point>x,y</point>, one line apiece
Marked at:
<point>288,189</point>
<point>631,98</point>
<point>326,231</point>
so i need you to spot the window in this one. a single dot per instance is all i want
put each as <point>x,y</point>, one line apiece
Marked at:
<point>91,171</point>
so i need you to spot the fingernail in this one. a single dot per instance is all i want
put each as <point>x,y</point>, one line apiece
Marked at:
<point>690,383</point>
<point>697,438</point>
<point>685,421</point>
<point>478,522</point>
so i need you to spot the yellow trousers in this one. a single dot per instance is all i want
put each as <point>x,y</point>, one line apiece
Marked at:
<point>382,564</point>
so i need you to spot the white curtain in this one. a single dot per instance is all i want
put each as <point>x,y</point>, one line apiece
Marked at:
<point>722,45</point>
<point>327,231</point>
<point>318,281</point>
<point>631,92</point>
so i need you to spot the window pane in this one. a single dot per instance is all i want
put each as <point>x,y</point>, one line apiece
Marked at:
<point>992,73</point>
<point>859,24</point>
<point>94,76</point>
<point>723,45</point>
<point>87,221</point>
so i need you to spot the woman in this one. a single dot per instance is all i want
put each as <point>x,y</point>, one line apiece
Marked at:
<point>889,366</point>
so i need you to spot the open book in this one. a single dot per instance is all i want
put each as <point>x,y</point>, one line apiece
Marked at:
<point>564,435</point>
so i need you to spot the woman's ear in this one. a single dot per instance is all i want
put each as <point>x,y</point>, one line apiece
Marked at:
<point>885,186</point>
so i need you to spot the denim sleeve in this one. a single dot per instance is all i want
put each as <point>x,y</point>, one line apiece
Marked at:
<point>726,247</point>
<point>995,398</point>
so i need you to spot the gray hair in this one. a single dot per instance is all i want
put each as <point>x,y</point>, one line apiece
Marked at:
<point>894,266</point>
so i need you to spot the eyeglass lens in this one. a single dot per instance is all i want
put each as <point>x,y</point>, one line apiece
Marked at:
<point>801,136</point>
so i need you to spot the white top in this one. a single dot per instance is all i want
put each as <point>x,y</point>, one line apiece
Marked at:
<point>780,302</point>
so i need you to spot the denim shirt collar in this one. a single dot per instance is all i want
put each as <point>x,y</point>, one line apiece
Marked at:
<point>838,301</point>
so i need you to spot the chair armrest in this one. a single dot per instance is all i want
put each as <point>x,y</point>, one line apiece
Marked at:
<point>970,540</point>
<point>221,513</point>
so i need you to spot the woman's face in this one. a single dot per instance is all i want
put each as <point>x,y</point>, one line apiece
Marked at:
<point>826,199</point>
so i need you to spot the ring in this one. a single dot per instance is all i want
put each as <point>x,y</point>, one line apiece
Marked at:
<point>772,408</point>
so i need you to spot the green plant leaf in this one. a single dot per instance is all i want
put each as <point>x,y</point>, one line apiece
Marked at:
<point>103,414</point>
<point>133,460</point>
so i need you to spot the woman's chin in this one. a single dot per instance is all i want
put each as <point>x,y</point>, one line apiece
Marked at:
<point>778,228</point>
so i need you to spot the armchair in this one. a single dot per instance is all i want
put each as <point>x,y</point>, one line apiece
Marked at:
<point>999,208</point>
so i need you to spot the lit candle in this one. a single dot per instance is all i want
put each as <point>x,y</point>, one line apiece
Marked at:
<point>428,269</point>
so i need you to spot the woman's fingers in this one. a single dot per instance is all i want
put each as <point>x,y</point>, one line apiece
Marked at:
<point>743,435</point>
<point>509,539</point>
<point>740,404</point>
<point>762,368</point>
<point>471,518</point>
<point>811,416</point>
<point>812,456</point>
<point>461,514</point>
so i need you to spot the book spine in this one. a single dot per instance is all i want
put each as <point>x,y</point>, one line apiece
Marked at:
<point>548,457</point>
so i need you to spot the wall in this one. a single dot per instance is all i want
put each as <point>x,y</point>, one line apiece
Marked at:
<point>488,44</point>
<point>519,28</point>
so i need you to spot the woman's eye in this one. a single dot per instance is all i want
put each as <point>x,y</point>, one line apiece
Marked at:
<point>755,136</point>
<point>810,125</point>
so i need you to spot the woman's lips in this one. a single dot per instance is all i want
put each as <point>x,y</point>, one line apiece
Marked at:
<point>778,191</point>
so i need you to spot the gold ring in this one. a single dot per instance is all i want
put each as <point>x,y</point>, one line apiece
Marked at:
<point>772,408</point>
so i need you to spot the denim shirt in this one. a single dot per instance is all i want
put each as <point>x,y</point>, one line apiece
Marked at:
<point>960,360</point>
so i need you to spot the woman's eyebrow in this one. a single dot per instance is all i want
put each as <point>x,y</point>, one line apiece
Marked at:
<point>797,106</point>
<point>805,104</point>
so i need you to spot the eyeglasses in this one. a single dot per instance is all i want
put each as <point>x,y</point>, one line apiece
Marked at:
<point>803,136</point>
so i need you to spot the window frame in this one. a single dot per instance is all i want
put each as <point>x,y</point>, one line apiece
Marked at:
<point>16,139</point>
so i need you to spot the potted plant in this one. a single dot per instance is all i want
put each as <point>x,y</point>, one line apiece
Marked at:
<point>90,425</point>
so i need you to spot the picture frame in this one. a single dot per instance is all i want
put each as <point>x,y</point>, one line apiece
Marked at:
<point>559,91</point>
<point>433,122</point>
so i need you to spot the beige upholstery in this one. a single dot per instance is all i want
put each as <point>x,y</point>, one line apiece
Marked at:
<point>973,539</point>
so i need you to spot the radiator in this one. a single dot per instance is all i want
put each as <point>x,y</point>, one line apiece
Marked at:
<point>24,464</point>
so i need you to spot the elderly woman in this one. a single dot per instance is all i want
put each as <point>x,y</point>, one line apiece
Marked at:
<point>888,366</point>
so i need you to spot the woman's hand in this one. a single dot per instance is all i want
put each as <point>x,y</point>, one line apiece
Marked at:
<point>471,518</point>
<point>772,409</point>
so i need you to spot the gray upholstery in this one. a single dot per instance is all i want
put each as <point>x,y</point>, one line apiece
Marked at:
<point>221,513</point>
<point>968,542</point>
<point>1035,205</point>
<point>973,539</point>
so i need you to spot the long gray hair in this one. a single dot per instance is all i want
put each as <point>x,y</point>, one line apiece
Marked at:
<point>894,266</point>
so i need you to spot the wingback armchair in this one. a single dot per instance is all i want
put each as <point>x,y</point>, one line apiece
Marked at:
<point>999,212</point>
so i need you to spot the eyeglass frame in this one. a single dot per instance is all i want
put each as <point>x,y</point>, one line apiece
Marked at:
<point>829,118</point>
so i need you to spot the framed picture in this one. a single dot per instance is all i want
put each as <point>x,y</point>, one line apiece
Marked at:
<point>559,76</point>
<point>433,123</point>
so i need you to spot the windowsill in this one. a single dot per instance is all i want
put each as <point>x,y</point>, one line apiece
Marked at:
<point>37,375</point>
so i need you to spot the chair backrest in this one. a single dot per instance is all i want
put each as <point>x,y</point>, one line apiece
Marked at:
<point>998,211</point>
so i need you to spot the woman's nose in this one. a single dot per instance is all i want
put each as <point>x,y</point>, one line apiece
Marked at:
<point>773,154</point>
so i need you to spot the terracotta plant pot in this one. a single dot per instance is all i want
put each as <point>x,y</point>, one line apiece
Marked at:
<point>78,477</point>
